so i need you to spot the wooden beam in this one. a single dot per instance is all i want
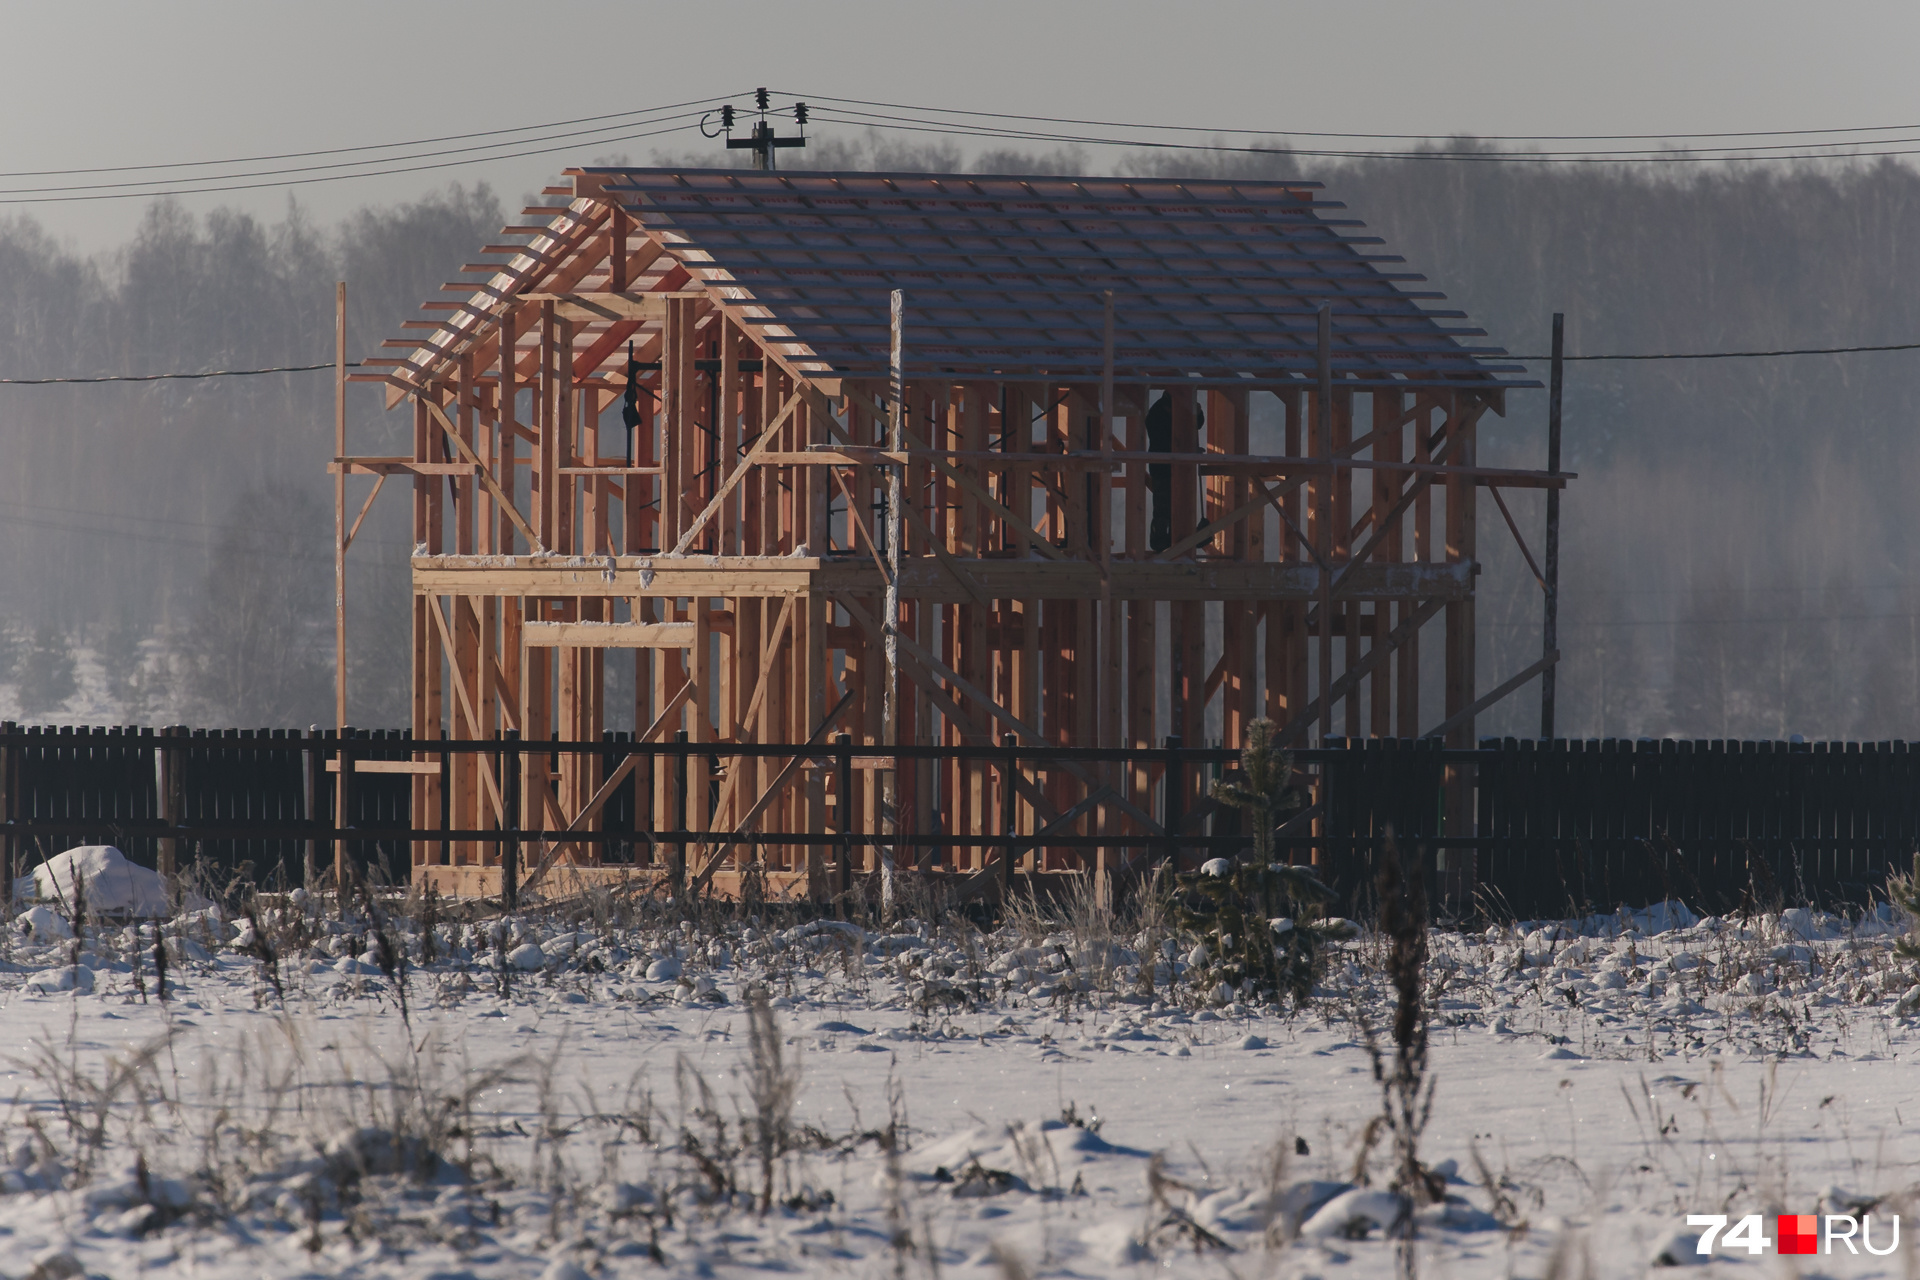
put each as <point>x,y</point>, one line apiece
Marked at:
<point>1013,523</point>
<point>756,707</point>
<point>1467,713</point>
<point>719,849</point>
<point>1417,484</point>
<point>794,401</point>
<point>945,557</point>
<point>485,476</point>
<point>425,768</point>
<point>860,525</point>
<point>1512,527</point>
<point>608,635</point>
<point>591,307</point>
<point>364,508</point>
<point>625,770</point>
<point>1351,679</point>
<point>460,690</point>
<point>923,578</point>
<point>934,666</point>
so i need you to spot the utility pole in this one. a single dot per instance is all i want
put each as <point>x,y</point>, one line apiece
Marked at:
<point>340,504</point>
<point>1550,631</point>
<point>762,141</point>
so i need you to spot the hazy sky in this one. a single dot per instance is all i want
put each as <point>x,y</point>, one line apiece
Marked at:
<point>98,84</point>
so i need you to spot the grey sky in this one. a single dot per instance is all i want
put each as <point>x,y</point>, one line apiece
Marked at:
<point>130,83</point>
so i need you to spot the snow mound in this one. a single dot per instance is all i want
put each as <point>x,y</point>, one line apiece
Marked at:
<point>1352,1214</point>
<point>43,925</point>
<point>113,885</point>
<point>1662,917</point>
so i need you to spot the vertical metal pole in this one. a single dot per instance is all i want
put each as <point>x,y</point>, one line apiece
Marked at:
<point>847,809</point>
<point>342,810</point>
<point>1323,415</point>
<point>890,620</point>
<point>10,849</point>
<point>1009,813</point>
<point>446,803</point>
<point>512,803</point>
<point>1550,630</point>
<point>340,504</point>
<point>1176,785</point>
<point>679,871</point>
<point>315,791</point>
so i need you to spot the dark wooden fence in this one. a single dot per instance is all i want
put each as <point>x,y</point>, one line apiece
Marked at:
<point>239,797</point>
<point>1714,823</point>
<point>1555,828</point>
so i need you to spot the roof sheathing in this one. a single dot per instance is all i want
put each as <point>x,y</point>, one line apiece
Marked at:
<point>1213,281</point>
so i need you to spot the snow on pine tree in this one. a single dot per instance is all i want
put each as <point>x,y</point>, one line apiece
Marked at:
<point>1259,923</point>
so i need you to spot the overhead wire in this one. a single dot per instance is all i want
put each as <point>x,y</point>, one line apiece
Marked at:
<point>972,124</point>
<point>627,120</point>
<point>174,377</point>
<point>912,125</point>
<point>371,146</point>
<point>509,144</point>
<point>355,364</point>
<point>333,177</point>
<point>1311,133</point>
<point>360,164</point>
<point>1732,355</point>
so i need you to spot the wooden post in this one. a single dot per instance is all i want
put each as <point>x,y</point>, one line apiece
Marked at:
<point>342,802</point>
<point>890,621</point>
<point>10,847</point>
<point>678,875</point>
<point>1324,507</point>
<point>168,781</point>
<point>1170,806</point>
<point>340,504</point>
<point>512,801</point>
<point>1009,813</point>
<point>1107,681</point>
<point>845,819</point>
<point>446,801</point>
<point>1550,630</point>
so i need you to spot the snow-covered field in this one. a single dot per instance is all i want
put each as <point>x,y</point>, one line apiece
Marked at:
<point>931,1101</point>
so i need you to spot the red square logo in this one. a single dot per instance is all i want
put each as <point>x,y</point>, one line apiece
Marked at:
<point>1797,1232</point>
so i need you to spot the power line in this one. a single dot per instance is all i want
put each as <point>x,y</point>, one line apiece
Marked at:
<point>337,177</point>
<point>1417,137</point>
<point>1822,618</point>
<point>173,377</point>
<point>1725,355</point>
<point>372,146</point>
<point>968,129</point>
<point>356,164</point>
<point>355,364</point>
<point>149,538</point>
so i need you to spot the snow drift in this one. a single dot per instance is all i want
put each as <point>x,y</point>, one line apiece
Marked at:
<point>114,886</point>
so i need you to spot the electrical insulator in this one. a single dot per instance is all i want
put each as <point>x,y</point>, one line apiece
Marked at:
<point>760,97</point>
<point>800,114</point>
<point>726,116</point>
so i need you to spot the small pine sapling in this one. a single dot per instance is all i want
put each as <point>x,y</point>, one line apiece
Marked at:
<point>1258,922</point>
<point>1905,893</point>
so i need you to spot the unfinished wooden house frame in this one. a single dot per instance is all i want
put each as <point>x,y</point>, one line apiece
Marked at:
<point>1061,540</point>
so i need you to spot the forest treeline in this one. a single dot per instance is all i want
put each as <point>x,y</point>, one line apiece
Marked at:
<point>1737,559</point>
